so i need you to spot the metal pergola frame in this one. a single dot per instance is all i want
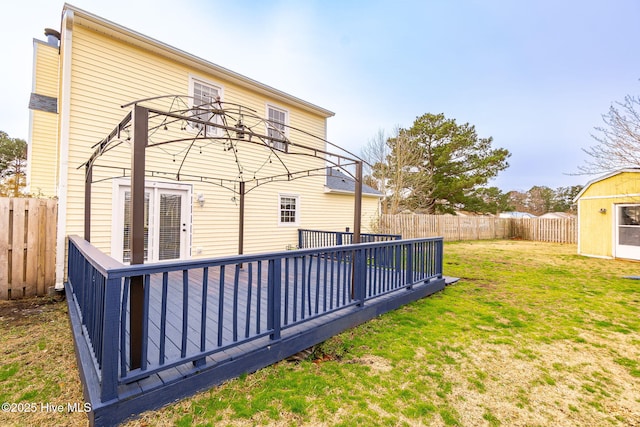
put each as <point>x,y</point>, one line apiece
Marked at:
<point>136,124</point>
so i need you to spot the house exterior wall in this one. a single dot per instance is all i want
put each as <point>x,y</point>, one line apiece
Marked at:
<point>102,68</point>
<point>43,138</point>
<point>595,229</point>
<point>343,203</point>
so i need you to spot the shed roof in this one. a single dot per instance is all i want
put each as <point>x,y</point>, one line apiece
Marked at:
<point>338,182</point>
<point>515,214</point>
<point>602,178</point>
<point>557,215</point>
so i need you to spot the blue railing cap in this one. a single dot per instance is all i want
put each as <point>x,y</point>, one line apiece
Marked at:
<point>114,269</point>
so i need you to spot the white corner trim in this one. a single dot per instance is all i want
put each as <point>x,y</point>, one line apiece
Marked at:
<point>65,111</point>
<point>611,196</point>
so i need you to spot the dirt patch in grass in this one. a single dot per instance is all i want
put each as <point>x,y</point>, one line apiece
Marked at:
<point>38,373</point>
<point>567,384</point>
<point>22,311</point>
<point>376,363</point>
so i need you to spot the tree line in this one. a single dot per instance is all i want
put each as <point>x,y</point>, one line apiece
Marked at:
<point>539,200</point>
<point>435,166</point>
<point>438,166</point>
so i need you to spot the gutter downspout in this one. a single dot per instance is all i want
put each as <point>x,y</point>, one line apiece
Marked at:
<point>65,110</point>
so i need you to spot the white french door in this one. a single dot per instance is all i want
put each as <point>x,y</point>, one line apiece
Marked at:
<point>627,232</point>
<point>167,222</point>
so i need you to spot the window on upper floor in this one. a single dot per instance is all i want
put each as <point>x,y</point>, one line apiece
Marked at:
<point>276,127</point>
<point>205,97</point>
<point>289,212</point>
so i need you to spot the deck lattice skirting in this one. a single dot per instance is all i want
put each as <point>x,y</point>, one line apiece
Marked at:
<point>206,321</point>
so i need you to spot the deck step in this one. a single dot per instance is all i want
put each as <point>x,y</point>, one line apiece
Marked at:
<point>448,280</point>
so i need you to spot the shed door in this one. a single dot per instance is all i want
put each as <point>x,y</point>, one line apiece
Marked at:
<point>628,232</point>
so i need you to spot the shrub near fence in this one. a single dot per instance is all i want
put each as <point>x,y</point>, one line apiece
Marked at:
<point>27,246</point>
<point>410,226</point>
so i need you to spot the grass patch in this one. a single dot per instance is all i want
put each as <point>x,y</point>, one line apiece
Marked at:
<point>532,335</point>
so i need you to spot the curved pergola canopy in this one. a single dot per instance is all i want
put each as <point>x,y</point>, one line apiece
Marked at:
<point>246,149</point>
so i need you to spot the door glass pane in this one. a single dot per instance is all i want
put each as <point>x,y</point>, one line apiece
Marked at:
<point>170,226</point>
<point>629,236</point>
<point>126,232</point>
<point>630,215</point>
<point>629,229</point>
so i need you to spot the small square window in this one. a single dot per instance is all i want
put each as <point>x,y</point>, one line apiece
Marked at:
<point>289,208</point>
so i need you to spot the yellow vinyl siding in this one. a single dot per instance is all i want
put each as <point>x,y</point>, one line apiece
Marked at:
<point>107,73</point>
<point>596,230</point>
<point>42,179</point>
<point>44,125</point>
<point>335,213</point>
<point>46,69</point>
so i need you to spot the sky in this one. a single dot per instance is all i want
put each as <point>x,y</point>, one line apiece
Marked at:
<point>535,75</point>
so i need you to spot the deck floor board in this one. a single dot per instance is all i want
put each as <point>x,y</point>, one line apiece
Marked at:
<point>174,311</point>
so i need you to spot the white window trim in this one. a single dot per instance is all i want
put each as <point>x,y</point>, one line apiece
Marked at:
<point>297,197</point>
<point>192,80</point>
<point>287,115</point>
<point>117,219</point>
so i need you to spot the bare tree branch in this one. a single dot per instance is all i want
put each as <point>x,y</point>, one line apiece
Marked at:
<point>618,143</point>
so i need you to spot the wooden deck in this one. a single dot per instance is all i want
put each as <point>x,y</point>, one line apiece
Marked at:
<point>208,321</point>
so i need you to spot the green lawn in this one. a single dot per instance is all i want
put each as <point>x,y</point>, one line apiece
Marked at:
<point>532,335</point>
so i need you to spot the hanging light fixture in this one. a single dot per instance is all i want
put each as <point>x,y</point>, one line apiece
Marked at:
<point>240,129</point>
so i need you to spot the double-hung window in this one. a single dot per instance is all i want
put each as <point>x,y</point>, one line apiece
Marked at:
<point>276,127</point>
<point>205,103</point>
<point>289,209</point>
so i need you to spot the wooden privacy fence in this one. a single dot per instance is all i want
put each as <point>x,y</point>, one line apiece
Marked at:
<point>410,226</point>
<point>27,246</point>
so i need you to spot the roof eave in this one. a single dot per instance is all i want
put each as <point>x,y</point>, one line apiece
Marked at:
<point>603,177</point>
<point>350,193</point>
<point>137,39</point>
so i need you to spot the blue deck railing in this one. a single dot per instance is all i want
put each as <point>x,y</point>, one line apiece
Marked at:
<point>197,309</point>
<point>320,238</point>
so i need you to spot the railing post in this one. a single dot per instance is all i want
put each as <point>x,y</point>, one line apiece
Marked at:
<point>338,238</point>
<point>439,256</point>
<point>299,239</point>
<point>409,265</point>
<point>136,320</point>
<point>274,283</point>
<point>359,276</point>
<point>110,340</point>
